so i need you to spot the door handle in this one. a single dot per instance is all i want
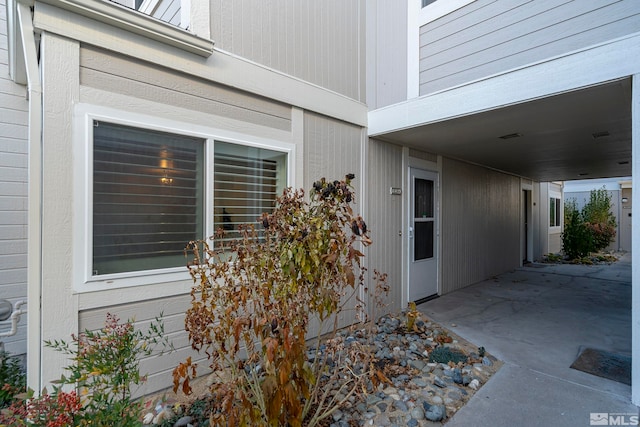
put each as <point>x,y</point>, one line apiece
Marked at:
<point>411,232</point>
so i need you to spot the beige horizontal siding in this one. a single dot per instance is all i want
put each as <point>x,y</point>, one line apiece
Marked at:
<point>158,368</point>
<point>488,37</point>
<point>480,223</point>
<point>128,76</point>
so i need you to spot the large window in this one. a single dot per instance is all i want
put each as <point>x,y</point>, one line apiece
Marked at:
<point>554,212</point>
<point>150,196</point>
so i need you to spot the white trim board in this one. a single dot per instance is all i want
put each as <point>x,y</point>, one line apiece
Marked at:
<point>556,75</point>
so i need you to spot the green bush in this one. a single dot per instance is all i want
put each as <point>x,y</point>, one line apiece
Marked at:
<point>104,368</point>
<point>446,355</point>
<point>599,219</point>
<point>591,229</point>
<point>13,379</point>
<point>576,238</point>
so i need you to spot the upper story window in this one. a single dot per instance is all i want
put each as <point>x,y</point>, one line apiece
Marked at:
<point>175,12</point>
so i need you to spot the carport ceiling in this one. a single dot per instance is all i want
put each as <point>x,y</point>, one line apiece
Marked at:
<point>556,141</point>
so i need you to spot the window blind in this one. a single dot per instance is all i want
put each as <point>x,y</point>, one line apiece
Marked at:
<point>247,182</point>
<point>147,198</point>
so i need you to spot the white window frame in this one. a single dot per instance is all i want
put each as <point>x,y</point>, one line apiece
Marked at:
<point>84,117</point>
<point>558,227</point>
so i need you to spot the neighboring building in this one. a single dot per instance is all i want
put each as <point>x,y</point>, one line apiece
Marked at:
<point>457,118</point>
<point>619,190</point>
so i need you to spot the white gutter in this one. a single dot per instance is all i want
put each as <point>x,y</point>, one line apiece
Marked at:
<point>34,236</point>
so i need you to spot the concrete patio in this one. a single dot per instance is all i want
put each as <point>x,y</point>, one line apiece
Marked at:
<point>537,319</point>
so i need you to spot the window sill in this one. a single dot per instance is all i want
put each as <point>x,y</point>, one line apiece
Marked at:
<point>121,17</point>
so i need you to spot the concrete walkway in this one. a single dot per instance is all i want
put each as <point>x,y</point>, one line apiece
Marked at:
<point>536,319</point>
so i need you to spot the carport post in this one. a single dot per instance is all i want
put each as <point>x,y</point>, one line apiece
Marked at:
<point>635,242</point>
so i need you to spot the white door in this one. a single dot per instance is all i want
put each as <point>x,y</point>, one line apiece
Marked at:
<point>423,233</point>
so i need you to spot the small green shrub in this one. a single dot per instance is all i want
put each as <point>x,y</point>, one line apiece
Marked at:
<point>13,379</point>
<point>591,229</point>
<point>552,258</point>
<point>577,240</point>
<point>446,355</point>
<point>105,367</point>
<point>599,219</point>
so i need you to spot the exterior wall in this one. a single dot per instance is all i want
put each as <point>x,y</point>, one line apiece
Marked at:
<point>144,312</point>
<point>488,37</point>
<point>480,224</point>
<point>320,42</point>
<point>13,192</point>
<point>80,72</point>
<point>386,53</point>
<point>384,219</point>
<point>333,149</point>
<point>103,71</point>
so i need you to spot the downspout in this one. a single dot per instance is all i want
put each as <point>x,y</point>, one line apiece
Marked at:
<point>34,235</point>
